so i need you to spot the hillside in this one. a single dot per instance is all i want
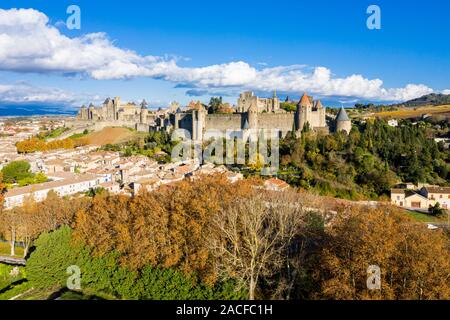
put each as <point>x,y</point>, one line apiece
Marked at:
<point>436,105</point>
<point>433,99</point>
<point>406,113</point>
<point>111,136</point>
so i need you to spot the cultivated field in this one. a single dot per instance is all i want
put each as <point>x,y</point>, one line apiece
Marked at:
<point>406,113</point>
<point>111,136</point>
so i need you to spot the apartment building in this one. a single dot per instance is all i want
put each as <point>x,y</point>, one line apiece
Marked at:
<point>64,186</point>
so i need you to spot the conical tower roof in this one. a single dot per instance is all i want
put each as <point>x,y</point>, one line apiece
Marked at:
<point>319,104</point>
<point>304,101</point>
<point>246,125</point>
<point>342,115</point>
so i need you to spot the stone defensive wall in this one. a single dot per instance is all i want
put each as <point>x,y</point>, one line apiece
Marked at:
<point>185,122</point>
<point>225,122</point>
<point>81,125</point>
<point>282,121</point>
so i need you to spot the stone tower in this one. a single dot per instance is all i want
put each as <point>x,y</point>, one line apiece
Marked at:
<point>246,99</point>
<point>304,109</point>
<point>91,112</point>
<point>116,106</point>
<point>322,114</point>
<point>144,111</point>
<point>252,116</point>
<point>84,113</point>
<point>343,122</point>
<point>275,102</point>
<point>198,123</point>
<point>108,104</point>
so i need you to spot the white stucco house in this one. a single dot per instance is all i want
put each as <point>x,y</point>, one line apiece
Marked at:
<point>421,199</point>
<point>69,185</point>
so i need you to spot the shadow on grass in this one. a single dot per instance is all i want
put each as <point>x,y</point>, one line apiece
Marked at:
<point>12,285</point>
<point>66,294</point>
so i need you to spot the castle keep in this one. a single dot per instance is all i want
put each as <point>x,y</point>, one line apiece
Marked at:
<point>248,99</point>
<point>251,112</point>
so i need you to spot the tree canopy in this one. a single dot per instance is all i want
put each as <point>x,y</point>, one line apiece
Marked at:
<point>212,239</point>
<point>19,172</point>
<point>16,171</point>
<point>366,163</point>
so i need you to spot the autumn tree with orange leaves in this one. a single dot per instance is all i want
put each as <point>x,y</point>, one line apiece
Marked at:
<point>287,245</point>
<point>27,222</point>
<point>169,227</point>
<point>2,191</point>
<point>34,144</point>
<point>414,261</point>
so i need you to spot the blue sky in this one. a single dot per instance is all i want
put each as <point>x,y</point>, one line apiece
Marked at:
<point>241,44</point>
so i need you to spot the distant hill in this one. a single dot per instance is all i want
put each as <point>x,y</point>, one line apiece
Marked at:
<point>415,112</point>
<point>30,109</point>
<point>432,99</point>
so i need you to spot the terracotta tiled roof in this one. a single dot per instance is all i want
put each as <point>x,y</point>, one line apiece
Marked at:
<point>148,181</point>
<point>55,162</point>
<point>184,169</point>
<point>442,190</point>
<point>277,182</point>
<point>305,101</point>
<point>50,185</point>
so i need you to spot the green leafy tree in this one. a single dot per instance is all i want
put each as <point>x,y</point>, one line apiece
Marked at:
<point>56,251</point>
<point>215,103</point>
<point>436,210</point>
<point>47,265</point>
<point>288,106</point>
<point>170,284</point>
<point>16,171</point>
<point>35,179</point>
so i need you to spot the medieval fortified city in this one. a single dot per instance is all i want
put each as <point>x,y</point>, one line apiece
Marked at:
<point>319,159</point>
<point>251,112</point>
<point>223,158</point>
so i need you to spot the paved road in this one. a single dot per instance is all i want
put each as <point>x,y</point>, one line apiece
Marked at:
<point>441,225</point>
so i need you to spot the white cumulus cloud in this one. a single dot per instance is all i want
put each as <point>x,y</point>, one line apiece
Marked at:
<point>29,43</point>
<point>23,92</point>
